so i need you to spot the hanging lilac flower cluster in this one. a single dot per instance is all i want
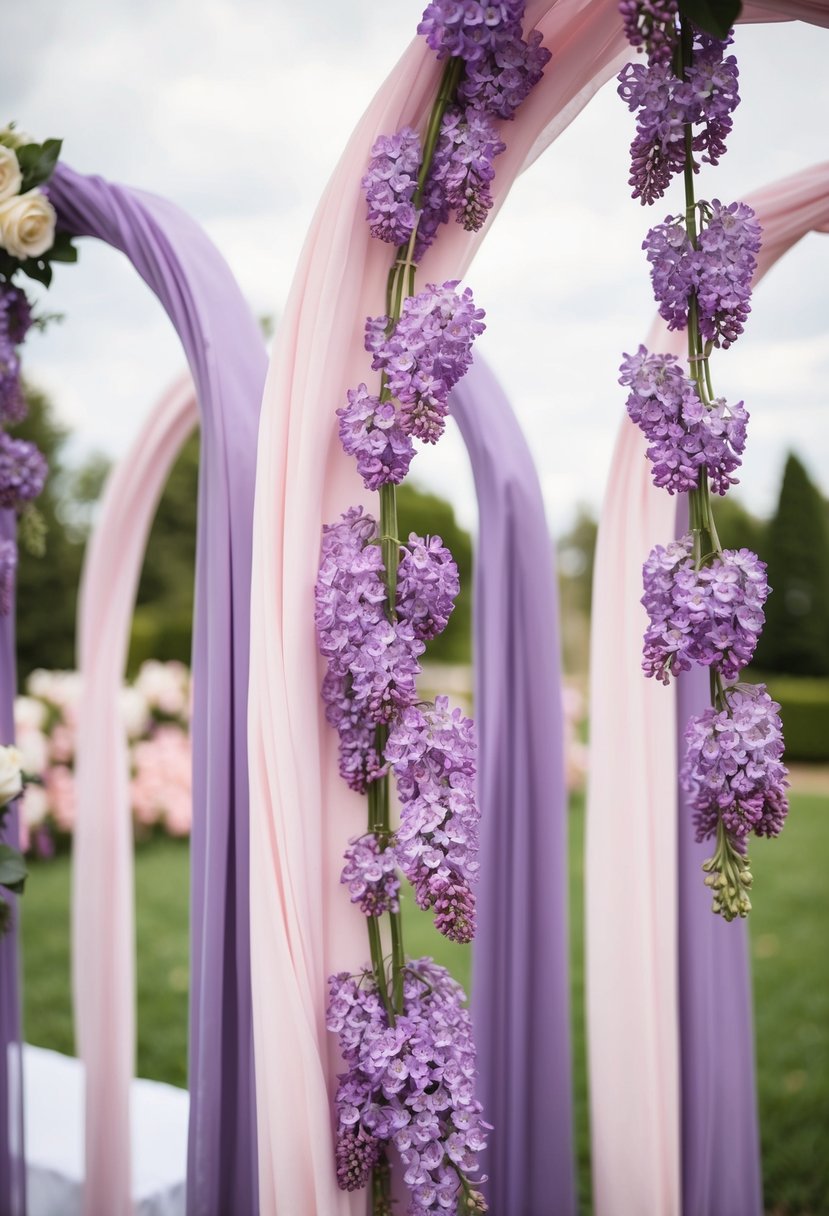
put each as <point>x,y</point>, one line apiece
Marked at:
<point>370,873</point>
<point>408,1084</point>
<point>684,436</point>
<point>372,661</point>
<point>427,586</point>
<point>496,71</point>
<point>389,185</point>
<point>23,471</point>
<point>733,769</point>
<point>432,751</point>
<point>15,322</point>
<point>463,168</point>
<point>718,270</point>
<point>711,615</point>
<point>705,605</point>
<point>424,356</point>
<point>703,99</point>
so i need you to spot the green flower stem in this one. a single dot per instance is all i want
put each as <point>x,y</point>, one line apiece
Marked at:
<point>378,965</point>
<point>401,282</point>
<point>702,523</point>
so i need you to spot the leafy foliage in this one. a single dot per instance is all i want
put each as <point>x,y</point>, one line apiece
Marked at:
<point>796,639</point>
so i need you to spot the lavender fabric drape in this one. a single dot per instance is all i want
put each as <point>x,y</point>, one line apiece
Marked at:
<point>520,991</point>
<point>225,352</point>
<point>12,1160</point>
<point>720,1134</point>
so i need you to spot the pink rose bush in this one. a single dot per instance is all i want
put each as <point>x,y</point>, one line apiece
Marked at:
<point>155,710</point>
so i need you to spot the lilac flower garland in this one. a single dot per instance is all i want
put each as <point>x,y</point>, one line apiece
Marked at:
<point>705,605</point>
<point>404,1031</point>
<point>28,246</point>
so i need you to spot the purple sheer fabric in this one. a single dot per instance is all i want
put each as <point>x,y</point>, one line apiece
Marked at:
<point>12,1160</point>
<point>226,356</point>
<point>720,1136</point>
<point>520,992</point>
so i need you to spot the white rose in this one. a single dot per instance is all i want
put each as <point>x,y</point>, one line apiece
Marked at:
<point>27,224</point>
<point>10,176</point>
<point>11,776</point>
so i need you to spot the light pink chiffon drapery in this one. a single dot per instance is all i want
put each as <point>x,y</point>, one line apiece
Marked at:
<point>104,980</point>
<point>631,866</point>
<point>302,927</point>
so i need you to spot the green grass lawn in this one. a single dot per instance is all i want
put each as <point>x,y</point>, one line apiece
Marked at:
<point>791,982</point>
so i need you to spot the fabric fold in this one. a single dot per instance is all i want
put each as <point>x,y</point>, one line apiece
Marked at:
<point>225,352</point>
<point>521,988</point>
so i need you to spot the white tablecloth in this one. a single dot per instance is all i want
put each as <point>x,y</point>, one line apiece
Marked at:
<point>53,1089</point>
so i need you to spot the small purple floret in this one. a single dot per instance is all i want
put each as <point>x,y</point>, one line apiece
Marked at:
<point>683,434</point>
<point>23,470</point>
<point>389,184</point>
<point>371,431</point>
<point>711,617</point>
<point>733,767</point>
<point>433,752</point>
<point>427,586</point>
<point>426,354</point>
<point>371,876</point>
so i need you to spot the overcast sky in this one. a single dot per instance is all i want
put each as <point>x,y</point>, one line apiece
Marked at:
<point>239,109</point>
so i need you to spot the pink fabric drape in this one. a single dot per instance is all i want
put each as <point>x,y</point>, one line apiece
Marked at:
<point>631,868</point>
<point>104,981</point>
<point>302,927</point>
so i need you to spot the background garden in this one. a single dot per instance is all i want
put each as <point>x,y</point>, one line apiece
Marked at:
<point>788,926</point>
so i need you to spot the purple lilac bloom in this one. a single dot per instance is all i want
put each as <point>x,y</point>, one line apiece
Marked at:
<point>674,269</point>
<point>650,25</point>
<point>733,767</point>
<point>432,750</point>
<point>15,313</point>
<point>372,663</point>
<point>411,1084</point>
<point>712,616</point>
<point>427,586</point>
<point>463,163</point>
<point>390,183</point>
<point>469,29</point>
<point>8,569</point>
<point>15,320</point>
<point>711,95</point>
<point>657,152</point>
<point>370,430</point>
<point>665,104</point>
<point>425,356</point>
<point>683,434</point>
<point>371,876</point>
<point>719,271</point>
<point>728,245</point>
<point>503,79</point>
<point>23,470</point>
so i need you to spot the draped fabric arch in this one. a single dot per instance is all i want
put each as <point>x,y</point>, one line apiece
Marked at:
<point>521,981</point>
<point>300,811</point>
<point>673,1102</point>
<point>226,356</point>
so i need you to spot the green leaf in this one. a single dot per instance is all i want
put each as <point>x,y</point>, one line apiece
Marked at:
<point>38,270</point>
<point>715,17</point>
<point>13,872</point>
<point>37,162</point>
<point>62,250</point>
